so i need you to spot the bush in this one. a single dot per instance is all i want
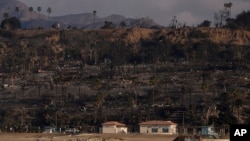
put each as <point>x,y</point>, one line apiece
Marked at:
<point>11,24</point>
<point>6,34</point>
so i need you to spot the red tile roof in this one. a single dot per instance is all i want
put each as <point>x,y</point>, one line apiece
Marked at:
<point>157,122</point>
<point>113,123</point>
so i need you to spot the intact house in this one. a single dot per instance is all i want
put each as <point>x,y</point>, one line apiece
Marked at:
<point>113,127</point>
<point>158,127</point>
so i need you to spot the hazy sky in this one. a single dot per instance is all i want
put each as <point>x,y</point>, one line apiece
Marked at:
<point>189,12</point>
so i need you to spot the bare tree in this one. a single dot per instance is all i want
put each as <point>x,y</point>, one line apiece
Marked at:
<point>222,16</point>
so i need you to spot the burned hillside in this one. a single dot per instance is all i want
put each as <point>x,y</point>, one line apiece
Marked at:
<point>82,78</point>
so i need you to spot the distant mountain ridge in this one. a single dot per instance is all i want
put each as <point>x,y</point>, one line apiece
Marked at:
<point>8,6</point>
<point>84,20</point>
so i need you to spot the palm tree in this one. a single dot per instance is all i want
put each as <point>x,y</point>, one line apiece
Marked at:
<point>31,11</point>
<point>229,6</point>
<point>225,5</point>
<point>228,9</point>
<point>39,9</point>
<point>49,11</point>
<point>17,10</point>
<point>94,14</point>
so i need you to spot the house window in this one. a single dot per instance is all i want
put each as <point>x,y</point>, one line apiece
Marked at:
<point>154,130</point>
<point>165,130</point>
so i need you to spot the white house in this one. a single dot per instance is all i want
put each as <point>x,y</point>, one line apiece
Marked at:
<point>158,127</point>
<point>114,127</point>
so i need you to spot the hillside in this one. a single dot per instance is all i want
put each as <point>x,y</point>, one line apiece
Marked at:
<point>183,35</point>
<point>217,35</point>
<point>124,74</point>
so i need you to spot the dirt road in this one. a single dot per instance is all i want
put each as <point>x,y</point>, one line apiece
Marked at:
<point>83,137</point>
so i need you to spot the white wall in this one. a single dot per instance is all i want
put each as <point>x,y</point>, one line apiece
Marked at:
<point>143,129</point>
<point>108,129</point>
<point>173,129</point>
<point>122,130</point>
<point>114,129</point>
<point>148,129</point>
